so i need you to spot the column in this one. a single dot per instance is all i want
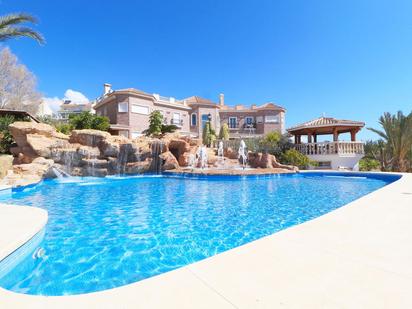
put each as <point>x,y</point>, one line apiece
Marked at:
<point>335,135</point>
<point>353,135</point>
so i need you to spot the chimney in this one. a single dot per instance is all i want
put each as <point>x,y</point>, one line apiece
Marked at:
<point>107,88</point>
<point>221,99</point>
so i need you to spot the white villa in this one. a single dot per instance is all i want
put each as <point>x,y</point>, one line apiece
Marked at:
<point>330,155</point>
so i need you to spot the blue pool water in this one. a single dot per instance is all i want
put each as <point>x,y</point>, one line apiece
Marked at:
<point>107,232</point>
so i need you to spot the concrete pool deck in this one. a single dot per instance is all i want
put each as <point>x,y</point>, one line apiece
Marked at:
<point>358,256</point>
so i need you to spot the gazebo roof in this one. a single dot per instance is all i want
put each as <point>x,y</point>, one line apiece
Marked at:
<point>326,125</point>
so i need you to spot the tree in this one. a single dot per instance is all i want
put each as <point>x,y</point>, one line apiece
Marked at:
<point>274,143</point>
<point>224,132</point>
<point>11,27</point>
<point>209,135</point>
<point>378,151</point>
<point>87,120</point>
<point>155,123</point>
<point>397,133</point>
<point>17,85</point>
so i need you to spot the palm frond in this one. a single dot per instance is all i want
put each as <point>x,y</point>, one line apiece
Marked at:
<point>379,132</point>
<point>10,27</point>
<point>15,19</point>
<point>12,32</point>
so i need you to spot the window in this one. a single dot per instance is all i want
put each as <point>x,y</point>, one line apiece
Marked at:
<point>232,122</point>
<point>193,120</point>
<point>259,119</point>
<point>272,119</point>
<point>176,119</point>
<point>249,120</point>
<point>136,134</point>
<point>205,118</point>
<point>139,109</point>
<point>123,107</point>
<point>324,164</point>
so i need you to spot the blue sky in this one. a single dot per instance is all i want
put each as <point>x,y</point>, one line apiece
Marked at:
<point>347,59</point>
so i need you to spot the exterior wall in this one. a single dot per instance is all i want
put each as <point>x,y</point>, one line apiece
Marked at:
<point>133,123</point>
<point>200,110</point>
<point>339,161</point>
<point>168,116</point>
<point>138,122</point>
<point>109,110</point>
<point>261,127</point>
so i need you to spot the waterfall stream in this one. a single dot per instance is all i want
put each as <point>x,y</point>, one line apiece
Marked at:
<point>157,162</point>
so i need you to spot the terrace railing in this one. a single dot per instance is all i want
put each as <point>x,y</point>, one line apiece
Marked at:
<point>326,148</point>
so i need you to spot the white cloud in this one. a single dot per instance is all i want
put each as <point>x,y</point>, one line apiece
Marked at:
<point>75,96</point>
<point>53,103</point>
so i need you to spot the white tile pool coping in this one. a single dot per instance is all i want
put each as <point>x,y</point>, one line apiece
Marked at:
<point>358,256</point>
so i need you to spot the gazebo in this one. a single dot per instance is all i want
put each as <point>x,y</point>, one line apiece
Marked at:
<point>336,154</point>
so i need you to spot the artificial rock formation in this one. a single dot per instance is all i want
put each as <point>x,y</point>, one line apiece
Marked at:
<point>40,151</point>
<point>89,153</point>
<point>265,160</point>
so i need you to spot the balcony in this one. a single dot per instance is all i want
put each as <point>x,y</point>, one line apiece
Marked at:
<point>331,148</point>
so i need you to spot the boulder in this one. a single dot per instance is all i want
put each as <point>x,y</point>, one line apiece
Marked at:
<point>230,153</point>
<point>23,155</point>
<point>89,137</point>
<point>186,158</point>
<point>169,161</point>
<point>138,167</point>
<point>20,129</point>
<point>265,160</point>
<point>34,140</point>
<point>43,145</point>
<point>259,160</point>
<point>67,156</point>
<point>6,163</point>
<point>27,174</point>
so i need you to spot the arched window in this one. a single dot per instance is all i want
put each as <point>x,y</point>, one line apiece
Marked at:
<point>193,120</point>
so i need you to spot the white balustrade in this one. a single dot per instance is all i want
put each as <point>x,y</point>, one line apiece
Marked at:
<point>326,148</point>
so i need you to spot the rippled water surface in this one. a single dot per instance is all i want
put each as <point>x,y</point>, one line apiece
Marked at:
<point>108,232</point>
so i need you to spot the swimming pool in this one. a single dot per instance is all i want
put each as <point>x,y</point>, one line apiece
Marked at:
<point>107,232</point>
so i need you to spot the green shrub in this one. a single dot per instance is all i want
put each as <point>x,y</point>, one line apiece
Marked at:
<point>87,120</point>
<point>6,139</point>
<point>64,128</point>
<point>368,164</point>
<point>294,157</point>
<point>224,132</point>
<point>168,128</point>
<point>155,123</point>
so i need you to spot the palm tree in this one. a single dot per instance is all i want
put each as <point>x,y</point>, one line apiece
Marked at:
<point>397,132</point>
<point>11,27</point>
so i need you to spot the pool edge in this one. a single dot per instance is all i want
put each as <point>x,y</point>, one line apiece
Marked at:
<point>202,286</point>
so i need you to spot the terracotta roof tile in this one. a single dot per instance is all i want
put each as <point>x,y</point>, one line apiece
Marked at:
<point>326,121</point>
